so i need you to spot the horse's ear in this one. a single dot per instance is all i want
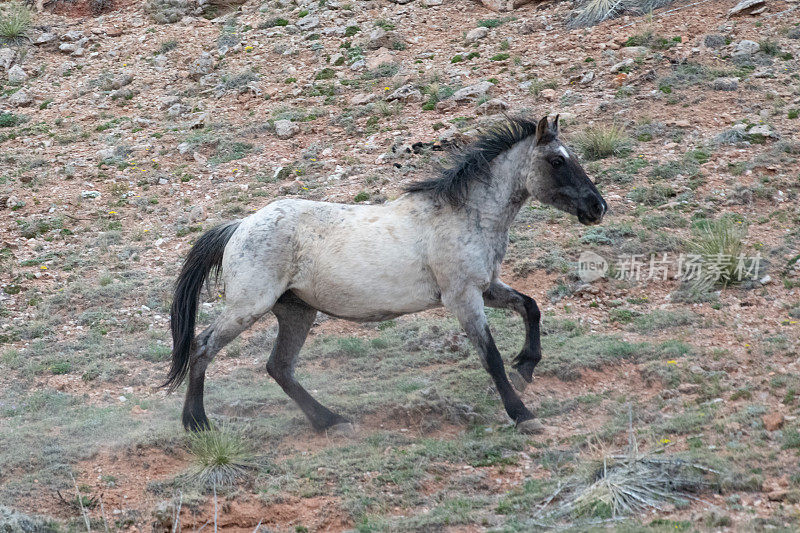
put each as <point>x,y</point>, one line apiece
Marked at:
<point>554,127</point>
<point>542,130</point>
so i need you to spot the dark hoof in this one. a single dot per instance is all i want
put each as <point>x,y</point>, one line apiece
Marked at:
<point>342,429</point>
<point>518,380</point>
<point>530,427</point>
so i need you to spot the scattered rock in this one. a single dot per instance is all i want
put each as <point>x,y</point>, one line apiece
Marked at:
<point>715,41</point>
<point>688,388</point>
<point>622,65</point>
<point>725,84</point>
<point>380,38</point>
<point>90,194</point>
<point>794,33</point>
<point>121,81</point>
<point>773,421</point>
<point>762,129</point>
<point>286,129</point>
<point>748,7</point>
<point>504,5</point>
<point>7,57</point>
<point>72,36</point>
<point>363,99</point>
<point>746,48</point>
<point>633,51</point>
<point>477,33</point>
<point>21,98</point>
<point>307,23</point>
<point>45,38</point>
<point>548,94</point>
<point>406,93</point>
<point>383,57</point>
<point>495,105</point>
<point>203,66</point>
<point>17,76</point>
<point>472,92</point>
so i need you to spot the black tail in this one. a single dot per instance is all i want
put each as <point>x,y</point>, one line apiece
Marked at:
<point>205,256</point>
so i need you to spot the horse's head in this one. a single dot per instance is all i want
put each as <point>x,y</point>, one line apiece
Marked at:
<point>558,179</point>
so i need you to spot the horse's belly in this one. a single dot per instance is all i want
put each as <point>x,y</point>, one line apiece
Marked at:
<point>368,296</point>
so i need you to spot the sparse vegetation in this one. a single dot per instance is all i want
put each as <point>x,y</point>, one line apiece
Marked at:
<point>221,455</point>
<point>599,142</point>
<point>15,21</point>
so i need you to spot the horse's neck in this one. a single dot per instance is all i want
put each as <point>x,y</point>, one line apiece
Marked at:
<point>497,201</point>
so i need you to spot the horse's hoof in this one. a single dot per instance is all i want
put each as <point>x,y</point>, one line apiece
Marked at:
<point>519,382</point>
<point>342,429</point>
<point>530,427</point>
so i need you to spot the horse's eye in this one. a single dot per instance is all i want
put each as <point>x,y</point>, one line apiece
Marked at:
<point>557,161</point>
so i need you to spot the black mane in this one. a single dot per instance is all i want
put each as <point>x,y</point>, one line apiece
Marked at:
<point>471,163</point>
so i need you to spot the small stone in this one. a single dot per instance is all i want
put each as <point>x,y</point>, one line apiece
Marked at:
<point>380,38</point>
<point>715,41</point>
<point>777,495</point>
<point>725,84</point>
<point>432,3</point>
<point>747,7</point>
<point>476,34</point>
<point>121,81</point>
<point>286,129</point>
<point>761,129</point>
<point>105,154</point>
<point>308,23</point>
<point>90,194</point>
<point>21,98</point>
<point>197,214</point>
<point>45,38</point>
<point>504,5</point>
<point>773,421</point>
<point>363,99</point>
<point>72,36</point>
<point>406,93</point>
<point>622,64</point>
<point>472,92</point>
<point>794,33</point>
<point>7,57</point>
<point>688,388</point>
<point>633,51</point>
<point>765,280</point>
<point>384,57</point>
<point>202,66</point>
<point>746,48</point>
<point>495,105</point>
<point>549,94</point>
<point>17,76</point>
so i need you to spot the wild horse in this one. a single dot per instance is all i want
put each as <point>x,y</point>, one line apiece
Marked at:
<point>441,243</point>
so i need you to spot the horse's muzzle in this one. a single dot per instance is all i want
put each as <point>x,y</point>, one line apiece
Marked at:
<point>592,210</point>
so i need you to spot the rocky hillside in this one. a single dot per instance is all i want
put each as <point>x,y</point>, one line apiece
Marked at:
<point>128,128</point>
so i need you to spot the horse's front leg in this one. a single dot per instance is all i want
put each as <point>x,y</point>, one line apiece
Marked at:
<point>468,308</point>
<point>502,296</point>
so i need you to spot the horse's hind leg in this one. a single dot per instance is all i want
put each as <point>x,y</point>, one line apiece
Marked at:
<point>500,295</point>
<point>295,318</point>
<point>227,327</point>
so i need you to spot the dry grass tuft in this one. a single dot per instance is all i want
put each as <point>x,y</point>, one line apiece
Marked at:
<point>720,244</point>
<point>222,457</point>
<point>623,484</point>
<point>599,142</point>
